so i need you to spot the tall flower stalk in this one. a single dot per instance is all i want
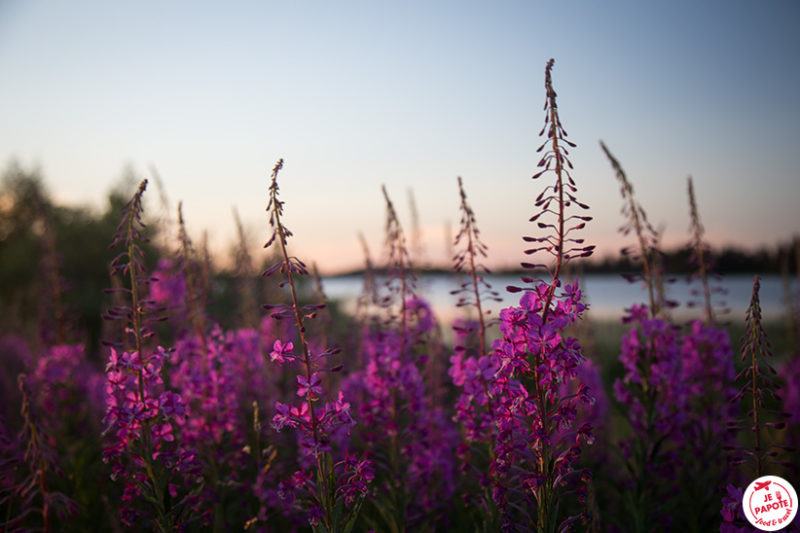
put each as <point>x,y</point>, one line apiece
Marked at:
<point>707,373</point>
<point>472,366</point>
<point>416,246</point>
<point>756,345</point>
<point>413,445</point>
<point>647,239</point>
<point>143,418</point>
<point>759,453</point>
<point>130,264</point>
<point>538,443</point>
<point>369,289</point>
<point>652,388</point>
<point>701,260</point>
<point>700,251</point>
<point>33,494</point>
<point>757,388</point>
<point>400,274</point>
<point>469,260</point>
<point>336,490</point>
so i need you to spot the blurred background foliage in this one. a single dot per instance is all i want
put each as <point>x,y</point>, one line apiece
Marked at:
<point>80,255</point>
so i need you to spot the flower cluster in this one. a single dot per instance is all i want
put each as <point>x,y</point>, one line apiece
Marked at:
<point>64,379</point>
<point>708,375</point>
<point>538,442</point>
<point>677,389</point>
<point>678,382</point>
<point>474,409</point>
<point>318,427</point>
<point>652,387</point>
<point>143,425</point>
<point>397,412</point>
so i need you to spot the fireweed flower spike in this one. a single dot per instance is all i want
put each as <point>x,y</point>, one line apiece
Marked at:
<point>472,368</point>
<point>702,260</point>
<point>217,375</point>
<point>676,388</point>
<point>129,264</point>
<point>707,373</point>
<point>143,419</point>
<point>477,289</point>
<point>538,442</point>
<point>336,490</point>
<point>401,279</point>
<point>653,392</point>
<point>193,298</point>
<point>757,387</point>
<point>700,253</point>
<point>409,433</point>
<point>369,290</point>
<point>647,237</point>
<point>39,462</point>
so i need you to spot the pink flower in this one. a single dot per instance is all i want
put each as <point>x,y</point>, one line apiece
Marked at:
<point>314,385</point>
<point>281,352</point>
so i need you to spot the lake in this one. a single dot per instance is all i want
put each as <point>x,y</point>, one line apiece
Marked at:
<point>608,295</point>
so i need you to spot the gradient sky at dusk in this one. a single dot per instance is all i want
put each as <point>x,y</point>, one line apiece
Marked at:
<point>410,94</point>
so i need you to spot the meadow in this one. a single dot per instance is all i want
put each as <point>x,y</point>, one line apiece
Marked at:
<point>274,410</point>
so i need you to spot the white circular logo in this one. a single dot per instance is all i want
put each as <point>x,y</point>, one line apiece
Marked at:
<point>770,503</point>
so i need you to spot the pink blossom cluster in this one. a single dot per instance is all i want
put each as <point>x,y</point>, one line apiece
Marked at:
<point>652,386</point>
<point>513,396</point>
<point>144,421</point>
<point>398,413</point>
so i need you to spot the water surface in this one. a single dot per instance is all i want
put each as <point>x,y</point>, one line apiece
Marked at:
<point>608,295</point>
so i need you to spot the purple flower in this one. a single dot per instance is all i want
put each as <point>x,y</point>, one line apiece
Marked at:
<point>136,400</point>
<point>731,504</point>
<point>357,475</point>
<point>420,315</point>
<point>283,416</point>
<point>281,352</point>
<point>521,398</point>
<point>732,518</point>
<point>312,387</point>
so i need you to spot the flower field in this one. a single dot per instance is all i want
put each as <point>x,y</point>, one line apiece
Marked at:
<point>302,418</point>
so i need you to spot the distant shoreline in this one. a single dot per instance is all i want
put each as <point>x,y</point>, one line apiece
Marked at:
<point>677,262</point>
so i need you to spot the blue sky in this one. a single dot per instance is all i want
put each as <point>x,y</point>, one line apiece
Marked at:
<point>411,94</point>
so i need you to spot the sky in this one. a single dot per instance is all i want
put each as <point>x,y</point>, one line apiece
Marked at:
<point>410,95</point>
